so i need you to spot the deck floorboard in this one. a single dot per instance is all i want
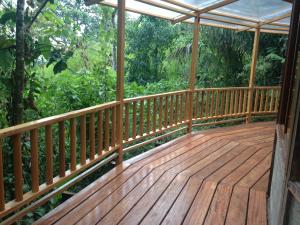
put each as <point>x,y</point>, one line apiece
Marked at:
<point>219,176</point>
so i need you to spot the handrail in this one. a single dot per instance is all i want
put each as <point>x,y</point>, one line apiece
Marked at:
<point>54,119</point>
<point>84,137</point>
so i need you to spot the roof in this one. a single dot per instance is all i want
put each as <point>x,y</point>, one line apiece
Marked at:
<point>272,16</point>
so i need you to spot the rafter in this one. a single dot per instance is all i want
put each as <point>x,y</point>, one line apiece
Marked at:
<point>269,21</point>
<point>205,10</point>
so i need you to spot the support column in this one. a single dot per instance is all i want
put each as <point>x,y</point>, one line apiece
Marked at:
<point>193,70</point>
<point>252,74</point>
<point>120,77</point>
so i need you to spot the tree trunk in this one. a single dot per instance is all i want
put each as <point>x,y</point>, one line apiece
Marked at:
<point>19,73</point>
<point>114,48</point>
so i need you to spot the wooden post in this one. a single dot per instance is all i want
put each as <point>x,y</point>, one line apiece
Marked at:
<point>193,71</point>
<point>120,76</point>
<point>252,74</point>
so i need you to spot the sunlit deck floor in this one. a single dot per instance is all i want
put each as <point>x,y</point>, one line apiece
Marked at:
<point>219,176</point>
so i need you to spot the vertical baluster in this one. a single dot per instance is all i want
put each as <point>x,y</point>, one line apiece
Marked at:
<point>181,116</point>
<point>267,100</point>
<point>73,143</point>
<point>176,108</point>
<point>240,101</point>
<point>202,104</point>
<point>148,114</point>
<point>212,106</point>
<point>127,121</point>
<point>277,100</point>
<point>154,116</point>
<point>106,132</point>
<point>100,132</point>
<point>134,120</point>
<point>61,150</point>
<point>160,112</point>
<point>223,103</point>
<point>2,195</point>
<point>113,126</point>
<point>34,160</point>
<point>92,136</point>
<point>18,171</point>
<point>166,112</point>
<point>171,110</point>
<point>227,102</point>
<point>207,103</point>
<point>256,100</point>
<point>272,100</point>
<point>236,103</point>
<point>142,118</point>
<point>261,100</point>
<point>245,100</point>
<point>186,114</point>
<point>83,140</point>
<point>49,155</point>
<point>217,103</point>
<point>231,101</point>
<point>196,105</point>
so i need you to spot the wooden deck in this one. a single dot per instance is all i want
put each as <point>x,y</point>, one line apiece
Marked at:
<point>219,176</point>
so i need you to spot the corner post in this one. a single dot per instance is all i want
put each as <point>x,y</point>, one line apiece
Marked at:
<point>120,77</point>
<point>193,71</point>
<point>252,74</point>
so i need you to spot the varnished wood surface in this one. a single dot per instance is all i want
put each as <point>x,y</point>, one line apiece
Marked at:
<point>219,176</point>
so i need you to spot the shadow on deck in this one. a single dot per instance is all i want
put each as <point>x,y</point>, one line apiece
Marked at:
<point>219,176</point>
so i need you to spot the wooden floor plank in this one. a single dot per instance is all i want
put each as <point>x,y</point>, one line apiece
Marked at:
<point>257,209</point>
<point>179,164</point>
<point>237,211</point>
<point>218,209</point>
<point>218,176</point>
<point>162,206</point>
<point>183,203</point>
<point>201,204</point>
<point>131,177</point>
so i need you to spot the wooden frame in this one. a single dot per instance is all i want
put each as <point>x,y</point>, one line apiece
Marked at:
<point>250,24</point>
<point>253,72</point>
<point>205,10</point>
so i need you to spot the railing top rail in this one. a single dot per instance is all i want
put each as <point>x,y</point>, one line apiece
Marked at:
<point>236,88</point>
<point>153,96</point>
<point>53,119</point>
<point>267,87</point>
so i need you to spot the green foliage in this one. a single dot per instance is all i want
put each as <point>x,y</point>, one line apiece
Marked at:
<point>70,59</point>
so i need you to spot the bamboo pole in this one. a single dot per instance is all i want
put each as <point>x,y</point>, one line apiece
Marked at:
<point>252,73</point>
<point>193,71</point>
<point>120,77</point>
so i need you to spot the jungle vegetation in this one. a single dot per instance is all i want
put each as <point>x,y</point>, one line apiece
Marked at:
<point>60,55</point>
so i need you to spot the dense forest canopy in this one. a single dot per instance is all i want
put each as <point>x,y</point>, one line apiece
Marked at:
<point>69,53</point>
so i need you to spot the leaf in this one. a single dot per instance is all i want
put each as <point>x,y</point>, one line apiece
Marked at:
<point>60,66</point>
<point>9,15</point>
<point>6,60</point>
<point>6,43</point>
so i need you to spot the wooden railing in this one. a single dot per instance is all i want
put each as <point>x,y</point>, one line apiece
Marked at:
<point>77,140</point>
<point>151,115</point>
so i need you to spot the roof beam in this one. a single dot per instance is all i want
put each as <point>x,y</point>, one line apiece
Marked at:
<point>269,21</point>
<point>167,7</point>
<point>229,15</point>
<point>205,10</point>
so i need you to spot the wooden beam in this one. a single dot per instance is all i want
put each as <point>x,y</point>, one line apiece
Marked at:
<point>120,77</point>
<point>269,21</point>
<point>228,15</point>
<point>167,7</point>
<point>253,73</point>
<point>193,70</point>
<point>205,10</point>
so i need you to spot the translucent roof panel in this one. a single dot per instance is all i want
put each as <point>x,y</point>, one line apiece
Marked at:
<point>239,15</point>
<point>254,9</point>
